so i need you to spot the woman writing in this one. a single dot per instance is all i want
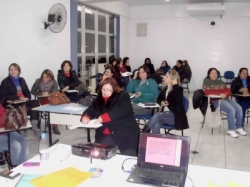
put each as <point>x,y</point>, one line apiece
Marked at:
<point>43,86</point>
<point>171,98</point>
<point>113,109</point>
<point>213,86</point>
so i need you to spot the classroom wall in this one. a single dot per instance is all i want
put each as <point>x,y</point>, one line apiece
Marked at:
<point>23,41</point>
<point>173,34</point>
<point>123,10</point>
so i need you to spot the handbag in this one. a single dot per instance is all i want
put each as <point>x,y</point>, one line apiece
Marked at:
<point>213,119</point>
<point>15,118</point>
<point>58,98</point>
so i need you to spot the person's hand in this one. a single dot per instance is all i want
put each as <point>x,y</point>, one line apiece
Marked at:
<point>85,120</point>
<point>99,120</point>
<point>136,74</point>
<point>164,103</point>
<point>223,96</point>
<point>138,94</point>
<point>45,93</point>
<point>24,99</point>
<point>246,93</point>
<point>243,90</point>
<point>65,89</point>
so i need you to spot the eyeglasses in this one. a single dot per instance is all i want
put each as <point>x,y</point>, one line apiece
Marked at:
<point>107,90</point>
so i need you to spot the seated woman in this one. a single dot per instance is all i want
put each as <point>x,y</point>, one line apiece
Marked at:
<point>188,71</point>
<point>126,64</point>
<point>164,67</point>
<point>18,146</point>
<point>122,69</point>
<point>241,85</point>
<point>171,97</point>
<point>150,66</point>
<point>113,109</point>
<point>110,72</point>
<point>146,89</point>
<point>68,80</point>
<point>45,85</point>
<point>214,86</point>
<point>14,87</point>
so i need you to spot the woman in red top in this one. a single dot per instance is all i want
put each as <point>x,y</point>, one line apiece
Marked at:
<point>213,86</point>
<point>112,107</point>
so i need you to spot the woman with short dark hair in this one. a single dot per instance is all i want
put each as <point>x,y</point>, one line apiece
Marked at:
<point>68,80</point>
<point>113,109</point>
<point>241,87</point>
<point>14,87</point>
<point>150,66</point>
<point>126,64</point>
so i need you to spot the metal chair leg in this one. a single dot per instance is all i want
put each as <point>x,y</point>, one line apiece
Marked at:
<point>212,131</point>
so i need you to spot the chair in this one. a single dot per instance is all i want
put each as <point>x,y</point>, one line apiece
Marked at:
<point>219,77</point>
<point>145,117</point>
<point>6,158</point>
<point>229,76</point>
<point>168,127</point>
<point>186,87</point>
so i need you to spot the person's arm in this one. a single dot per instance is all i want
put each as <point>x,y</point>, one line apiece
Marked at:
<point>152,93</point>
<point>161,97</point>
<point>54,87</point>
<point>131,86</point>
<point>35,90</point>
<point>76,82</point>
<point>178,93</point>
<point>60,81</point>
<point>4,93</point>
<point>89,112</point>
<point>235,89</point>
<point>25,89</point>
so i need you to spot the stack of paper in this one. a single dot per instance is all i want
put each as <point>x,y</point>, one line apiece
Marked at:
<point>126,74</point>
<point>72,91</point>
<point>92,124</point>
<point>69,177</point>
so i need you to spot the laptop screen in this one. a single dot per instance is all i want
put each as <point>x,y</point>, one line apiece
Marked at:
<point>163,149</point>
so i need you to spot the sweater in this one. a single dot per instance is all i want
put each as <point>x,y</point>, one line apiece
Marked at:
<point>215,87</point>
<point>149,90</point>
<point>16,81</point>
<point>35,90</point>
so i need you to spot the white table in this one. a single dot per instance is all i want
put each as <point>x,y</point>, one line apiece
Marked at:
<point>114,176</point>
<point>58,115</point>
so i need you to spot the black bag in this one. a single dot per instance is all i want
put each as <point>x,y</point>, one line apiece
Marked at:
<point>87,101</point>
<point>81,88</point>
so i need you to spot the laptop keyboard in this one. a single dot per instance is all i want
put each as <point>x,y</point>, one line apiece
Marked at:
<point>169,178</point>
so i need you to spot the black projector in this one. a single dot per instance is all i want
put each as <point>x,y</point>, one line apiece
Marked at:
<point>94,150</point>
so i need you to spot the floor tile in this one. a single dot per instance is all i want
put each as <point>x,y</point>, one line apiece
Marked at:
<point>238,163</point>
<point>211,149</point>
<point>209,160</point>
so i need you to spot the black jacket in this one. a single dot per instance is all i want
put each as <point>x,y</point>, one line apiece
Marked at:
<point>8,90</point>
<point>200,101</point>
<point>236,85</point>
<point>188,72</point>
<point>181,71</point>
<point>175,100</point>
<point>151,68</point>
<point>72,81</point>
<point>123,127</point>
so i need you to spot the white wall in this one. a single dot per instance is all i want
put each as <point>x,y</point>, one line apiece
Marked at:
<point>173,34</point>
<point>23,41</point>
<point>124,11</point>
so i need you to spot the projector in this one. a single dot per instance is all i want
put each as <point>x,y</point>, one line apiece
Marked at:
<point>94,150</point>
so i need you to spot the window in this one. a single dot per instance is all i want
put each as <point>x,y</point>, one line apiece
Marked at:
<point>96,42</point>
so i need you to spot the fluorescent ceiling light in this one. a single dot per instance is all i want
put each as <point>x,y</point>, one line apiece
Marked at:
<point>167,0</point>
<point>88,11</point>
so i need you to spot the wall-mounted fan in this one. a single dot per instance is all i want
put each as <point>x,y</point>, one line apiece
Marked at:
<point>57,18</point>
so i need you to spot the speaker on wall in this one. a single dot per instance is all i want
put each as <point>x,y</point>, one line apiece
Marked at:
<point>141,29</point>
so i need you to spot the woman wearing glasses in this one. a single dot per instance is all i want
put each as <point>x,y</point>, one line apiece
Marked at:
<point>113,109</point>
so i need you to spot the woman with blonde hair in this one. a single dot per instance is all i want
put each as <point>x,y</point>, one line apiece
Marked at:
<point>171,98</point>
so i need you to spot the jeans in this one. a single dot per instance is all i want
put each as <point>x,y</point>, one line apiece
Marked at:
<point>160,119</point>
<point>233,111</point>
<point>244,103</point>
<point>18,147</point>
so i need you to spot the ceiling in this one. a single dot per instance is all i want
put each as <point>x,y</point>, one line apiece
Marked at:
<point>163,2</point>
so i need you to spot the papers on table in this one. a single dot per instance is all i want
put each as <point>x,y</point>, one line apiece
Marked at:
<point>16,101</point>
<point>94,93</point>
<point>72,108</point>
<point>132,95</point>
<point>25,180</point>
<point>126,74</point>
<point>92,124</point>
<point>72,91</point>
<point>148,105</point>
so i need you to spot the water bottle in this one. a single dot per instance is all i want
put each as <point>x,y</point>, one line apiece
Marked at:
<point>43,148</point>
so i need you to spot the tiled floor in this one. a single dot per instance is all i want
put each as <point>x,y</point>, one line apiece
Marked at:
<point>215,150</point>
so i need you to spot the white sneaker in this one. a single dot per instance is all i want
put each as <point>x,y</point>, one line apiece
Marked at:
<point>233,134</point>
<point>241,132</point>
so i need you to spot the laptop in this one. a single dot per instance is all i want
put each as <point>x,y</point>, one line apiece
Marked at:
<point>162,160</point>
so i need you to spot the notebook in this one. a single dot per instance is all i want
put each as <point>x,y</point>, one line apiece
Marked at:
<point>162,160</point>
